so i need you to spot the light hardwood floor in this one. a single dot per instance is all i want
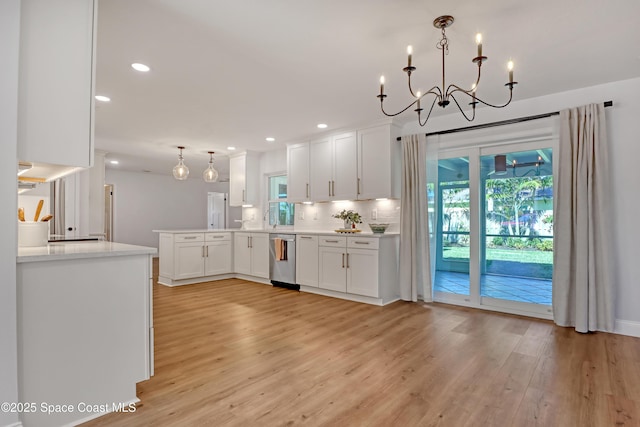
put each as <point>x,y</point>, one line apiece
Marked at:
<point>244,354</point>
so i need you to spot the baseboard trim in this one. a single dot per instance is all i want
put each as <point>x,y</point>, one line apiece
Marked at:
<point>627,327</point>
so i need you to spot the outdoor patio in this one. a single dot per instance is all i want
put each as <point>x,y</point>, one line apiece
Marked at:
<point>520,289</point>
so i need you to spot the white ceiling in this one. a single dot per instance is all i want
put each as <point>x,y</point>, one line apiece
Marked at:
<point>234,72</point>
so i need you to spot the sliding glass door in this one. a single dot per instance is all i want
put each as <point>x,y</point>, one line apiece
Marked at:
<point>495,227</point>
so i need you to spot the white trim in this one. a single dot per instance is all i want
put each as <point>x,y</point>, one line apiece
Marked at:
<point>348,297</point>
<point>627,327</point>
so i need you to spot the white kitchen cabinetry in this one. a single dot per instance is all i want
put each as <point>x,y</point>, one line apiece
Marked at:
<point>298,185</point>
<point>333,168</point>
<point>251,254</point>
<point>243,179</point>
<point>56,86</point>
<point>379,163</point>
<point>193,257</point>
<point>358,268</point>
<point>307,260</point>
<point>188,259</point>
<point>217,254</point>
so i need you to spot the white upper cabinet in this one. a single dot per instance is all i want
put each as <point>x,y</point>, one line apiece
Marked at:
<point>345,171</point>
<point>333,168</point>
<point>298,173</point>
<point>320,166</point>
<point>243,179</point>
<point>56,83</point>
<point>360,165</point>
<point>378,163</point>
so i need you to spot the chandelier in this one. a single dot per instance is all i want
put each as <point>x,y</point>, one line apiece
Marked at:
<point>443,95</point>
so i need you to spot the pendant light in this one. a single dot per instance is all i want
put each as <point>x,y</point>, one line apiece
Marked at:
<point>210,174</point>
<point>180,171</point>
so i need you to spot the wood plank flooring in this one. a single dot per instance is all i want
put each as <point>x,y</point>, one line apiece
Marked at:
<point>236,353</point>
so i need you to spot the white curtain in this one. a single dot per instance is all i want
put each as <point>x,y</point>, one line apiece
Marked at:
<point>583,275</point>
<point>415,277</point>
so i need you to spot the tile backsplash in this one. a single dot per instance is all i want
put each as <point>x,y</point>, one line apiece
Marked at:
<point>318,216</point>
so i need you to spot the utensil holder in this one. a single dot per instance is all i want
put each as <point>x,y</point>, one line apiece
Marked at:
<point>33,233</point>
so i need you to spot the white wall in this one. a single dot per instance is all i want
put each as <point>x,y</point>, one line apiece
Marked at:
<point>144,202</point>
<point>624,156</point>
<point>10,36</point>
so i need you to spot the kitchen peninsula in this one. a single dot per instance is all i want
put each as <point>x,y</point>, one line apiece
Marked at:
<point>360,266</point>
<point>85,327</point>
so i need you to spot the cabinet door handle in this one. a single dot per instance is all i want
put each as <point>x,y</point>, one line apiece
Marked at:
<point>190,237</point>
<point>243,199</point>
<point>306,237</point>
<point>358,192</point>
<point>218,237</point>
<point>251,241</point>
<point>248,241</point>
<point>329,188</point>
<point>361,243</point>
<point>347,260</point>
<point>307,190</point>
<point>331,241</point>
<point>207,251</point>
<point>333,188</point>
<point>342,260</point>
<point>202,251</point>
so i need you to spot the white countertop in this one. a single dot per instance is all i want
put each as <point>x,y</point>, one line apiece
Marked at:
<point>284,231</point>
<point>78,250</point>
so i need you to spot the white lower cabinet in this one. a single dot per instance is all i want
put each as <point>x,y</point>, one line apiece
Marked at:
<point>217,254</point>
<point>333,275</point>
<point>307,260</point>
<point>251,254</point>
<point>363,267</point>
<point>188,257</point>
<point>362,272</point>
<point>188,260</point>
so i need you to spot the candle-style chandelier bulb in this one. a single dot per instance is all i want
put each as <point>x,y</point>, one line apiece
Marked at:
<point>210,174</point>
<point>445,94</point>
<point>180,171</point>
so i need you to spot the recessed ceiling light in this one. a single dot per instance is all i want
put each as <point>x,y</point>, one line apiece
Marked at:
<point>140,67</point>
<point>114,162</point>
<point>270,139</point>
<point>102,98</point>
<point>231,148</point>
<point>322,126</point>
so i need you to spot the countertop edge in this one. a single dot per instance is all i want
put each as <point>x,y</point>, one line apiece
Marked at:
<point>284,231</point>
<point>80,250</point>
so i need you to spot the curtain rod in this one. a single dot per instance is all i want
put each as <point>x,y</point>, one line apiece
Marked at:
<point>501,123</point>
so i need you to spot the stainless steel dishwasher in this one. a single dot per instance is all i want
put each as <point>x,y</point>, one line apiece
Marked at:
<point>282,260</point>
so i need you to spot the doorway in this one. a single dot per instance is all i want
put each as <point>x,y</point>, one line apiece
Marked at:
<point>495,228</point>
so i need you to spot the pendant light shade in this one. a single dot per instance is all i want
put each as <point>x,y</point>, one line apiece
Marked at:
<point>210,174</point>
<point>180,171</point>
